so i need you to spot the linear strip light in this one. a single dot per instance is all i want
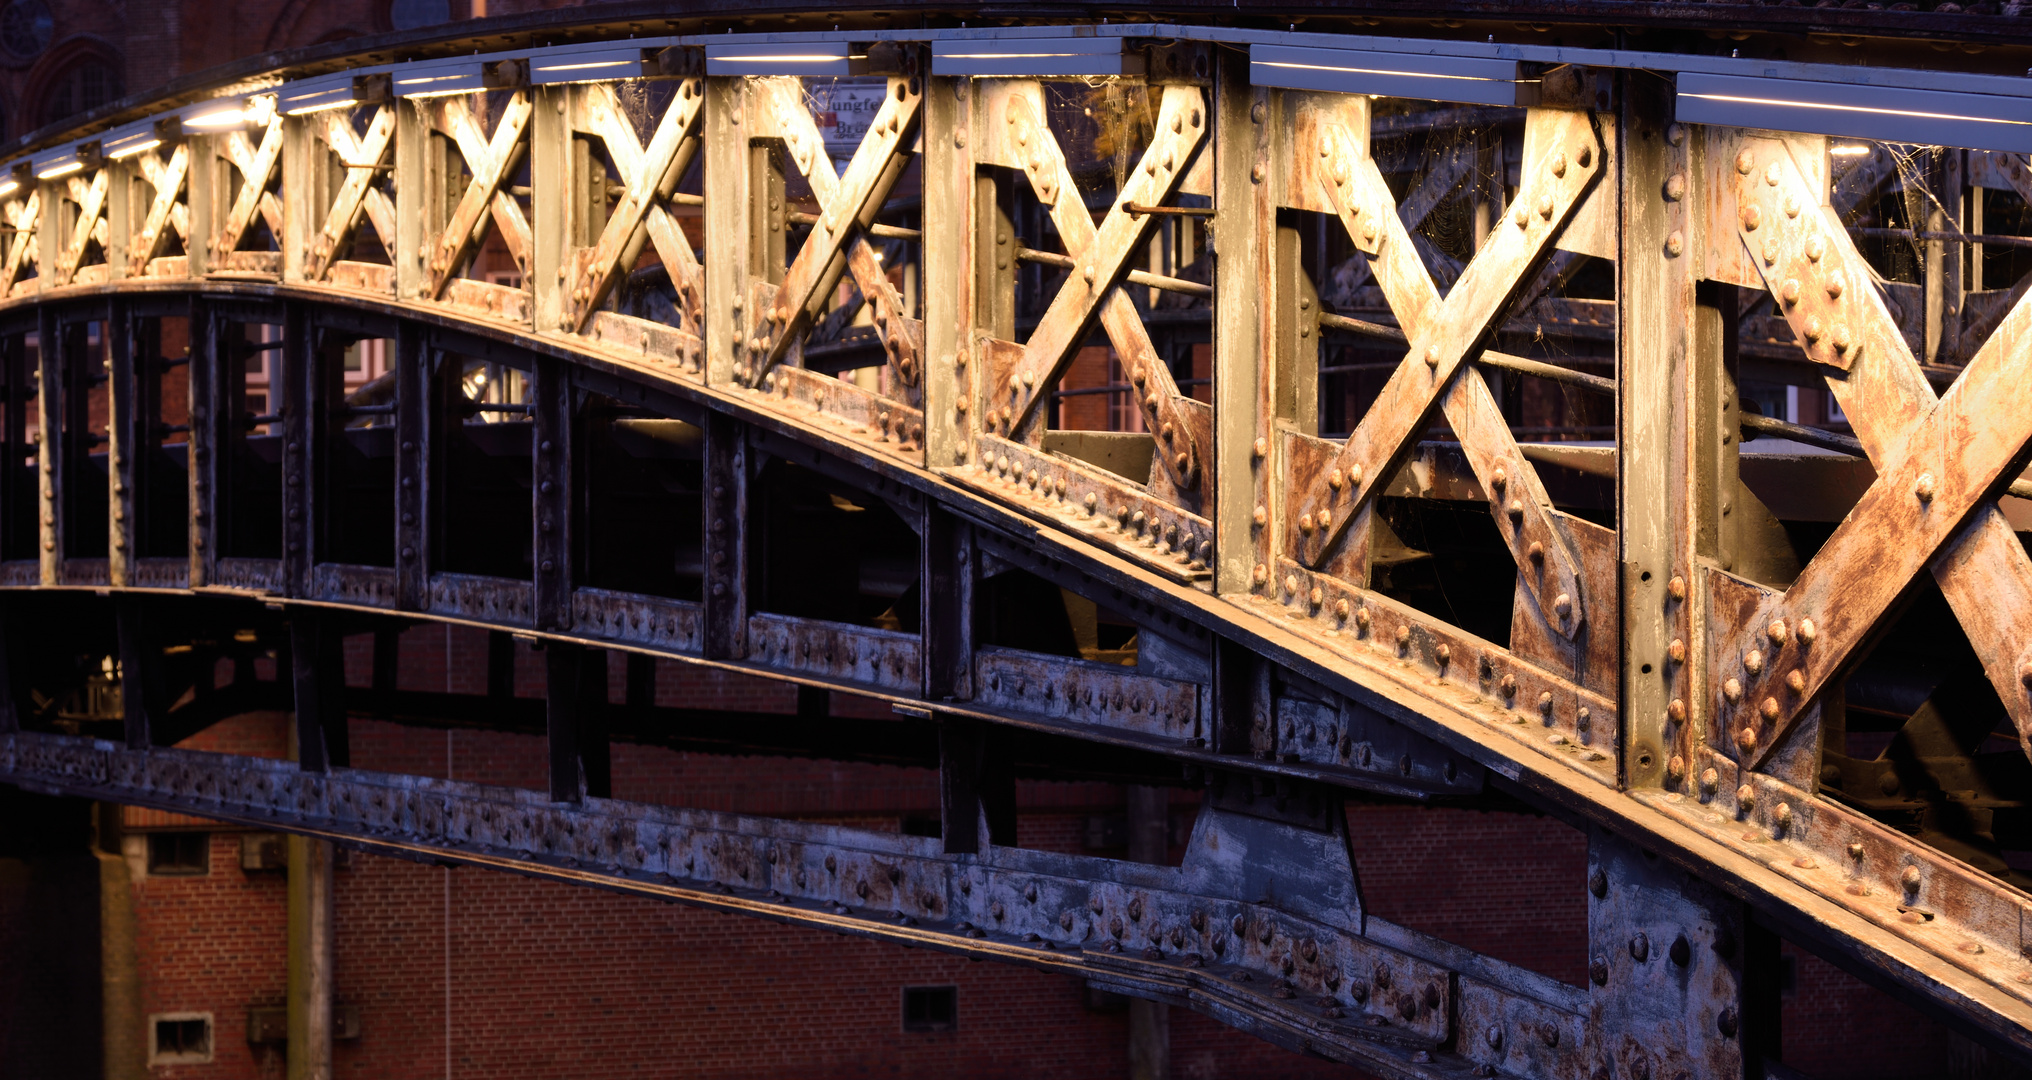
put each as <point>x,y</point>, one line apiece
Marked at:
<point>633,59</point>
<point>229,113</point>
<point>465,75</point>
<point>1468,80</point>
<point>131,139</point>
<point>1881,113</point>
<point>58,163</point>
<point>820,58</point>
<point>1032,57</point>
<point>339,90</point>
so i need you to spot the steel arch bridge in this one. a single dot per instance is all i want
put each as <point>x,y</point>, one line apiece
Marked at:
<point>770,351</point>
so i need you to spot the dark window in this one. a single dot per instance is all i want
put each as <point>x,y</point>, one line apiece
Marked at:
<point>931,1008</point>
<point>923,825</point>
<point>183,1039</point>
<point>86,86</point>
<point>179,853</point>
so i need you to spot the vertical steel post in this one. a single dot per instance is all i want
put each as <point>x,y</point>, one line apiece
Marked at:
<point>318,677</point>
<point>948,253</point>
<point>49,400</point>
<point>412,474</point>
<point>126,435</point>
<point>296,369</point>
<point>1659,492</point>
<point>550,170</point>
<point>1245,221</point>
<point>551,395</point>
<point>725,634</point>
<point>205,408</point>
<point>727,214</point>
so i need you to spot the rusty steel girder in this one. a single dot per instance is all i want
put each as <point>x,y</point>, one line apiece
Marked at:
<point>686,278</point>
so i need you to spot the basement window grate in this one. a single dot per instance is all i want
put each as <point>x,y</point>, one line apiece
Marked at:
<point>179,854</point>
<point>931,1008</point>
<point>179,1038</point>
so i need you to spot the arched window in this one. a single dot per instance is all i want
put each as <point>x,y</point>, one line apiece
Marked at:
<point>86,85</point>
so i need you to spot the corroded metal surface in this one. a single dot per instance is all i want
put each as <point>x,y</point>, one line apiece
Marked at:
<point>1420,495</point>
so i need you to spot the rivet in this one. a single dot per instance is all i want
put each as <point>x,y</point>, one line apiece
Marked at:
<point>1910,879</point>
<point>1676,709</point>
<point>1752,217</point>
<point>1746,739</point>
<point>1334,480</point>
<point>1261,448</point>
<point>1676,652</point>
<point>1432,356</point>
<point>1745,161</point>
<point>1676,588</point>
<point>1520,217</point>
<point>1305,524</point>
<point>1781,818</point>
<point>1923,487</point>
<point>1562,605</point>
<point>1769,709</point>
<point>1403,636</point>
<point>1262,514</point>
<point>1545,702</point>
<point>1834,288</point>
<point>1746,798</point>
<point>1675,244</point>
<point>1709,779</point>
<point>1545,207</point>
<point>1262,573</point>
<point>1537,551</point>
<point>1813,329</point>
<point>1675,186</point>
<point>1733,691</point>
<point>1795,681</point>
<point>1754,662</point>
<point>1509,685</point>
<point>1790,290</point>
<point>1776,632</point>
<point>1791,205</point>
<point>1675,769</point>
<point>1558,163</point>
<point>1362,619</point>
<point>1317,596</point>
<point>1290,584</point>
<point>1341,608</point>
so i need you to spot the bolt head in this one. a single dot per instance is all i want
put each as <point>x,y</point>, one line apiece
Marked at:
<point>1341,609</point>
<point>1598,882</point>
<point>1753,662</point>
<point>1732,690</point>
<point>1676,652</point>
<point>1598,970</point>
<point>1746,797</point>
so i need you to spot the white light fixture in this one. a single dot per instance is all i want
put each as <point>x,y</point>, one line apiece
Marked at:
<point>339,90</point>
<point>1466,79</point>
<point>1034,57</point>
<point>218,114</point>
<point>1849,110</point>
<point>1848,150</point>
<point>9,186</point>
<point>131,139</point>
<point>57,163</point>
<point>439,78</point>
<point>821,58</point>
<point>570,65</point>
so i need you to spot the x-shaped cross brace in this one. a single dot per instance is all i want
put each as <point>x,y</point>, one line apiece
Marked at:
<point>362,156</point>
<point>1445,332</point>
<point>166,211</point>
<point>257,167</point>
<point>902,337</point>
<point>650,175</point>
<point>1941,463</point>
<point>90,195</point>
<point>1102,255</point>
<point>23,216</point>
<point>491,162</point>
<point>837,243</point>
